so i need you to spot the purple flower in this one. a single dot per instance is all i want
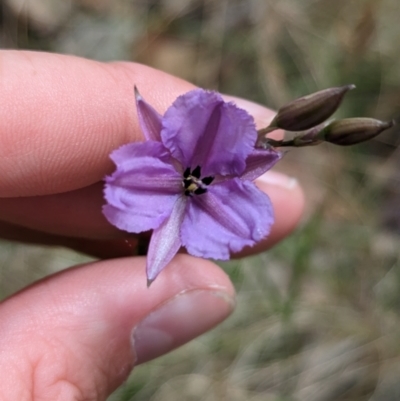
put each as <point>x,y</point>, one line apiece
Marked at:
<point>190,181</point>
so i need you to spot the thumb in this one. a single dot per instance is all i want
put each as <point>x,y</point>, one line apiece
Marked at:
<point>77,334</point>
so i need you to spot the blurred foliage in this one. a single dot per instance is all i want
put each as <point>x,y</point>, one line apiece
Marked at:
<point>318,317</point>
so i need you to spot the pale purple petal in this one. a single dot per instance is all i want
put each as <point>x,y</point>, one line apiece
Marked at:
<point>260,161</point>
<point>230,216</point>
<point>165,240</point>
<point>200,129</point>
<point>149,119</point>
<point>141,193</point>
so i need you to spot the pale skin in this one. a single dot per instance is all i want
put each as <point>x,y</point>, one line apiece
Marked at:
<point>69,337</point>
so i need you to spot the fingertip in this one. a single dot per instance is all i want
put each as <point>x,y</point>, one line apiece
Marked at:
<point>178,321</point>
<point>288,201</point>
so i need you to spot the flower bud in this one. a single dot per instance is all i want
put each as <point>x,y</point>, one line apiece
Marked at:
<point>351,131</point>
<point>308,111</point>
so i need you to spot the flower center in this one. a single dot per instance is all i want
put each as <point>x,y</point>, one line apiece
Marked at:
<point>193,184</point>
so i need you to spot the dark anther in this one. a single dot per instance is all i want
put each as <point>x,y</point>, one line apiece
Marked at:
<point>207,180</point>
<point>192,183</point>
<point>200,191</point>
<point>196,172</point>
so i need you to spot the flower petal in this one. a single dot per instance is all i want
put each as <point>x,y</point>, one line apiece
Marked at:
<point>231,215</point>
<point>200,129</point>
<point>149,119</point>
<point>143,189</point>
<point>260,161</point>
<point>165,240</point>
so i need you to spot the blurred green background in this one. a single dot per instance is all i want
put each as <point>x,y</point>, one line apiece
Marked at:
<point>318,316</point>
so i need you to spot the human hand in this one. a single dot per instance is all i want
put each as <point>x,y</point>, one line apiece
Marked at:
<point>70,335</point>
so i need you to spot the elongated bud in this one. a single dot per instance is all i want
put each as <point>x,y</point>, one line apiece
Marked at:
<point>308,111</point>
<point>351,131</point>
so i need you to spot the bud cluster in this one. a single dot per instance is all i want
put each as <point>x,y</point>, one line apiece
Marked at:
<point>309,113</point>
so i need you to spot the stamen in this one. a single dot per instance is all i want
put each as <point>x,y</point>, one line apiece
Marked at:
<point>207,180</point>
<point>200,191</point>
<point>192,183</point>
<point>197,172</point>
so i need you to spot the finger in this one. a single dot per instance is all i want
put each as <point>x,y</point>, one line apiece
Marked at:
<point>64,115</point>
<point>103,249</point>
<point>76,221</point>
<point>76,335</point>
<point>76,213</point>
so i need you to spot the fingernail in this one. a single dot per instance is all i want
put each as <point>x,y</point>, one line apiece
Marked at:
<point>278,179</point>
<point>178,321</point>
